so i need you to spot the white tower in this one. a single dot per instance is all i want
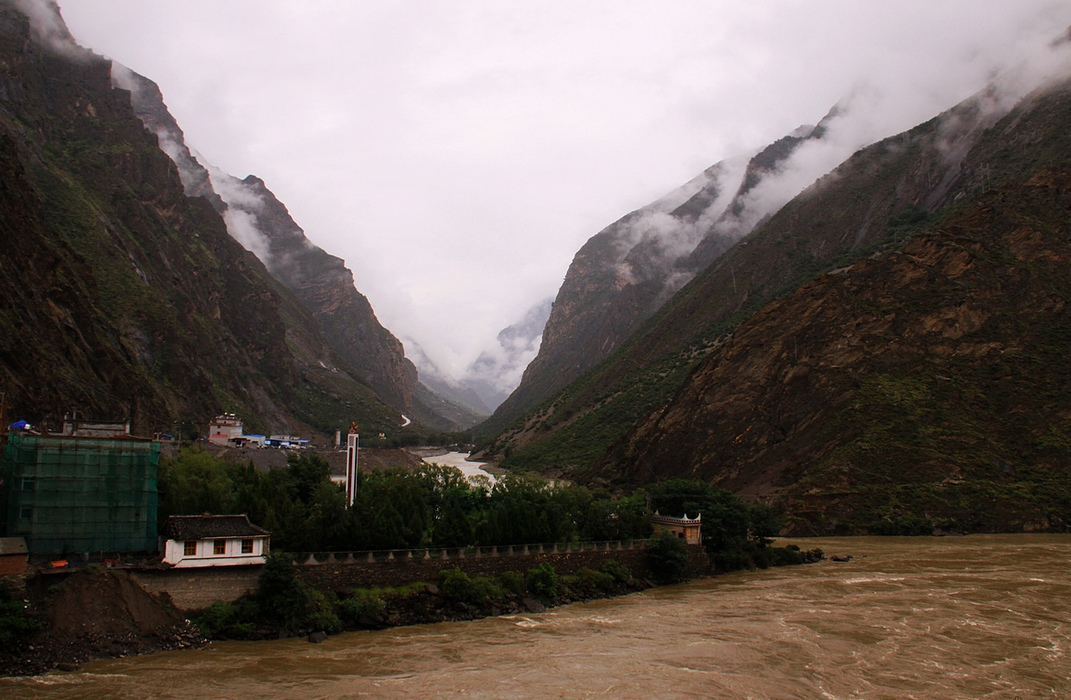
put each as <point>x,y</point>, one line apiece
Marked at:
<point>352,445</point>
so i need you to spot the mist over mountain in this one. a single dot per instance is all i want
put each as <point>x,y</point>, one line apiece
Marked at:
<point>261,223</point>
<point>627,271</point>
<point>705,388</point>
<point>923,386</point>
<point>136,254</point>
<point>441,383</point>
<point>497,371</point>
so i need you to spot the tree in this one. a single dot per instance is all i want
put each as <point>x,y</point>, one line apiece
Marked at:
<point>195,482</point>
<point>667,558</point>
<point>281,597</point>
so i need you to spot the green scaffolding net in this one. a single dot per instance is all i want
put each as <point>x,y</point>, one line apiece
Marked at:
<point>69,495</point>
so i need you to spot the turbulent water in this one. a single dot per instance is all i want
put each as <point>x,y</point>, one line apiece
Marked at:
<point>971,617</point>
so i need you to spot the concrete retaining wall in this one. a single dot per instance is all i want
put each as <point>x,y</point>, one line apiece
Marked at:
<point>193,589</point>
<point>396,572</point>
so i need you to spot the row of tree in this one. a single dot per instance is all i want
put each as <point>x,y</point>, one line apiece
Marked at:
<point>436,506</point>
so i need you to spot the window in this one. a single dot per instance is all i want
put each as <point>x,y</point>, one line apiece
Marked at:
<point>26,512</point>
<point>28,483</point>
<point>219,547</point>
<point>189,548</point>
<point>247,546</point>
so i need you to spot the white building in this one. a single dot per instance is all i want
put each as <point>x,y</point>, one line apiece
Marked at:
<point>225,429</point>
<point>213,540</point>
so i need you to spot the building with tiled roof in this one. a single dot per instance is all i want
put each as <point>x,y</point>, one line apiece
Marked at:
<point>214,540</point>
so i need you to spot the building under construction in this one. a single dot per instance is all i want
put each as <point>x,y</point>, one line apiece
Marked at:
<point>69,495</point>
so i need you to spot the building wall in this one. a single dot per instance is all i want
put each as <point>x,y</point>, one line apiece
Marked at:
<point>174,553</point>
<point>70,495</point>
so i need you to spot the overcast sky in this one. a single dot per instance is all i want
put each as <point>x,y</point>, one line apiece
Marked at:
<point>457,154</point>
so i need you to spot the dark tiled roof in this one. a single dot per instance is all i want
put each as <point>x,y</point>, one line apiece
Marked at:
<point>204,527</point>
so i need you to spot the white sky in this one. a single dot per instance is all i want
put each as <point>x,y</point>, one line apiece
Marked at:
<point>457,154</point>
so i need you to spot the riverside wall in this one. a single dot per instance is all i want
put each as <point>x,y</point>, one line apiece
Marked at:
<point>193,589</point>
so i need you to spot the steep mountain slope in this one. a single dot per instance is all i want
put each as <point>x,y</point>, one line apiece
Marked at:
<point>627,271</point>
<point>126,297</point>
<point>873,200</point>
<point>322,282</point>
<point>443,385</point>
<point>919,387</point>
<point>496,372</point>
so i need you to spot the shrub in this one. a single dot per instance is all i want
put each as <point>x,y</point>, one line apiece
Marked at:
<point>543,581</point>
<point>281,597</point>
<point>15,623</point>
<point>215,619</point>
<point>321,614</point>
<point>597,580</point>
<point>458,587</point>
<point>667,557</point>
<point>362,604</point>
<point>733,559</point>
<point>513,581</point>
<point>617,570</point>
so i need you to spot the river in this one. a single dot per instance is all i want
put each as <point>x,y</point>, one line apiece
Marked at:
<point>984,616</point>
<point>460,461</point>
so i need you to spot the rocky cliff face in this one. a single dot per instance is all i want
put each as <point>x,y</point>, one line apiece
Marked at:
<point>872,202</point>
<point>925,386</point>
<point>322,282</point>
<point>626,272</point>
<point>129,298</point>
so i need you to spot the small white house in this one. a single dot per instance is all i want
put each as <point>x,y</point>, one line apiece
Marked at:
<point>213,540</point>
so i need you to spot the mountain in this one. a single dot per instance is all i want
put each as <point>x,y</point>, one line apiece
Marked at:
<point>627,271</point>
<point>924,386</point>
<point>321,281</point>
<point>446,387</point>
<point>126,296</point>
<point>874,202</point>
<point>497,370</point>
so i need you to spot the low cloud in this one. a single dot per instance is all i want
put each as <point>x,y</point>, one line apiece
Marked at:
<point>241,214</point>
<point>47,24</point>
<point>482,145</point>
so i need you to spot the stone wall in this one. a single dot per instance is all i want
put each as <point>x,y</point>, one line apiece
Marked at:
<point>396,572</point>
<point>193,589</point>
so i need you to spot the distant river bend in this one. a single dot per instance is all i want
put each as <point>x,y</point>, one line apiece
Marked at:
<point>460,461</point>
<point>970,617</point>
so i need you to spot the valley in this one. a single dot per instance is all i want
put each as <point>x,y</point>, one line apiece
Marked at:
<point>864,335</point>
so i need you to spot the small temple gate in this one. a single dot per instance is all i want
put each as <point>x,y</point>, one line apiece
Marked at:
<point>687,529</point>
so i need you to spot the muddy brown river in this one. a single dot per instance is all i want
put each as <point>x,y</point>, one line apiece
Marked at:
<point>968,617</point>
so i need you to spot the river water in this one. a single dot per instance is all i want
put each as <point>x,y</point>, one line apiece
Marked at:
<point>459,460</point>
<point>970,617</point>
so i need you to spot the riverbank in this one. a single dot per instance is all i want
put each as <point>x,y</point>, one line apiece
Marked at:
<point>457,598</point>
<point>87,615</point>
<point>101,613</point>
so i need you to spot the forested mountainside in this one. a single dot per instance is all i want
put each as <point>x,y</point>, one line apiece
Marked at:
<point>319,280</point>
<point>872,203</point>
<point>627,271</point>
<point>925,386</point>
<point>124,296</point>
